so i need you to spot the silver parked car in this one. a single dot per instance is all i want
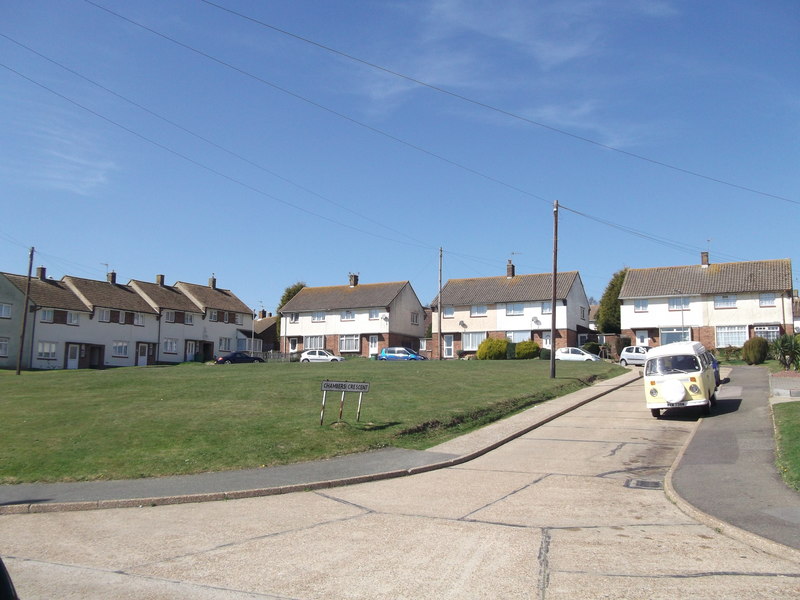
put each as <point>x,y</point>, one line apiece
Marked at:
<point>319,356</point>
<point>633,355</point>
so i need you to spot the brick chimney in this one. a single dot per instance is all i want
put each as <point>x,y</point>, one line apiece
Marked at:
<point>704,259</point>
<point>353,279</point>
<point>262,314</point>
<point>41,273</point>
<point>112,277</point>
<point>212,282</point>
<point>160,280</point>
<point>510,270</point>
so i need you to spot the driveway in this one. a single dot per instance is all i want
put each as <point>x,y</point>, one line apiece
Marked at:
<point>573,509</point>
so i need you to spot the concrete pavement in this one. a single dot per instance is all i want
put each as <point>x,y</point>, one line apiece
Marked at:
<point>725,476</point>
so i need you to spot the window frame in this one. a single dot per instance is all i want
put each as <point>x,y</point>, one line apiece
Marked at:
<point>414,318</point>
<point>46,350</point>
<point>641,305</point>
<point>120,348</point>
<point>169,316</point>
<point>225,344</point>
<point>46,315</point>
<point>104,315</point>
<point>5,310</point>
<point>767,300</point>
<point>349,342</point>
<point>213,315</point>
<point>515,309</point>
<point>730,329</point>
<point>547,307</point>
<point>724,301</point>
<point>374,314</point>
<point>478,311</point>
<point>774,332</point>
<point>170,346</point>
<point>313,342</point>
<point>73,318</point>
<point>448,312</point>
<point>318,316</point>
<point>472,336</point>
<point>4,345</point>
<point>347,315</point>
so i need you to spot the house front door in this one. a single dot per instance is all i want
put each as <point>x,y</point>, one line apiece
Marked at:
<point>373,345</point>
<point>141,355</point>
<point>447,351</point>
<point>191,350</point>
<point>546,339</point>
<point>73,354</point>
<point>642,338</point>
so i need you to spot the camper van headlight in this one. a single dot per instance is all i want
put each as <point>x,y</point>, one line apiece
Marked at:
<point>694,389</point>
<point>653,392</point>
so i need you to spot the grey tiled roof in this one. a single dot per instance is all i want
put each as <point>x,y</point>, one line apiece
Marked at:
<point>48,293</point>
<point>722,278</point>
<point>165,296</point>
<point>108,295</point>
<point>520,288</point>
<point>213,298</point>
<point>363,295</point>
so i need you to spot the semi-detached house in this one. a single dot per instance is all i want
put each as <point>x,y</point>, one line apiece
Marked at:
<point>719,305</point>
<point>354,319</point>
<point>516,307</point>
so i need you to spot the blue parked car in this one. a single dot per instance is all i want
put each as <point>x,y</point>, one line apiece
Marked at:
<point>400,353</point>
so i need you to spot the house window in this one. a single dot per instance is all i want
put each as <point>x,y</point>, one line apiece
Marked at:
<point>768,332</point>
<point>478,310</point>
<point>679,303</point>
<point>4,346</point>
<point>239,318</point>
<point>518,336</point>
<point>225,316</point>
<point>374,314</point>
<point>731,335</point>
<point>294,317</point>
<point>448,312</point>
<point>725,301</point>
<point>423,344</point>
<point>348,343</point>
<point>169,316</point>
<point>104,315</point>
<point>46,315</point>
<point>138,319</point>
<point>515,309</point>
<point>121,318</point>
<point>46,350</point>
<point>213,315</point>
<point>641,305</point>
<point>583,312</point>
<point>119,348</point>
<point>225,344</point>
<point>188,318</point>
<point>348,315</point>
<point>292,344</point>
<point>415,318</point>
<point>318,317</point>
<point>5,311</point>
<point>547,308</point>
<point>764,300</point>
<point>313,342</point>
<point>72,318</point>
<point>170,345</point>
<point>675,334</point>
<point>471,340</point>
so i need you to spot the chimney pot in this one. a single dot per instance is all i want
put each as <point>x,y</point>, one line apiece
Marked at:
<point>112,277</point>
<point>41,273</point>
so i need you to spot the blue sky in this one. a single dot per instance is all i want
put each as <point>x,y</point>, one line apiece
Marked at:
<point>182,138</point>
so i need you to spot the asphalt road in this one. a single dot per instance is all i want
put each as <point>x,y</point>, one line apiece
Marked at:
<point>573,509</point>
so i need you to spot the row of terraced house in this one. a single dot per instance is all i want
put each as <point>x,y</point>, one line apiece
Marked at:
<point>84,323</point>
<point>79,323</point>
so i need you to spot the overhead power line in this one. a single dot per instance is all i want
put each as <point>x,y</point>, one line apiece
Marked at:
<point>495,109</point>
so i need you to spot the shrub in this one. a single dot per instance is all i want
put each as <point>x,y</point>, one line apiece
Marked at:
<point>492,349</point>
<point>592,347</point>
<point>730,352</point>
<point>544,354</point>
<point>786,350</point>
<point>527,349</point>
<point>511,350</point>
<point>755,350</point>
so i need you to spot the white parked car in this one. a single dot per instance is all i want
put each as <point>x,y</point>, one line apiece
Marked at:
<point>571,353</point>
<point>319,356</point>
<point>633,355</point>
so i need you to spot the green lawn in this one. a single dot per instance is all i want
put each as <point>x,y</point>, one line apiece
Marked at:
<point>141,422</point>
<point>787,424</point>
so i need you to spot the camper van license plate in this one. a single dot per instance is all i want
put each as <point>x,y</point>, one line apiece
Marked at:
<point>676,403</point>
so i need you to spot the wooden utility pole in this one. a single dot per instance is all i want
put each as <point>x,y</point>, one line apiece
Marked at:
<point>439,309</point>
<point>553,296</point>
<point>25,312</point>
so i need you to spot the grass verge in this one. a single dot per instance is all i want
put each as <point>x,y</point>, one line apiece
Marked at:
<point>787,440</point>
<point>142,422</point>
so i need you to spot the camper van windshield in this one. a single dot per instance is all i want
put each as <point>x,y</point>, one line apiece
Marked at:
<point>672,364</point>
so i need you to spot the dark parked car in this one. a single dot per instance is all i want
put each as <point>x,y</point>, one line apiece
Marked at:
<point>7,591</point>
<point>400,353</point>
<point>237,357</point>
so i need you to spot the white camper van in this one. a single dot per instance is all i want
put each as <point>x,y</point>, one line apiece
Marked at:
<point>677,375</point>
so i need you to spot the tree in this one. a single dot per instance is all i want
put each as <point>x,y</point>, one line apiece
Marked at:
<point>608,319</point>
<point>289,293</point>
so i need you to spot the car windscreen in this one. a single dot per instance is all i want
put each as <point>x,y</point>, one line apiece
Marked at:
<point>665,365</point>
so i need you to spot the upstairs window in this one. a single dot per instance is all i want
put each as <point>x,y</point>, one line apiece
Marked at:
<point>448,312</point>
<point>5,311</point>
<point>213,315</point>
<point>478,310</point>
<point>72,318</point>
<point>104,315</point>
<point>348,315</point>
<point>239,318</point>
<point>764,300</point>
<point>138,319</point>
<point>641,305</point>
<point>547,308</point>
<point>679,303</point>
<point>374,314</point>
<point>725,301</point>
<point>318,317</point>
<point>169,316</point>
<point>415,318</point>
<point>188,318</point>
<point>294,317</point>
<point>515,309</point>
<point>46,315</point>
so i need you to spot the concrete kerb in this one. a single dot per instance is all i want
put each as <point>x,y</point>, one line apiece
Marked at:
<point>570,402</point>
